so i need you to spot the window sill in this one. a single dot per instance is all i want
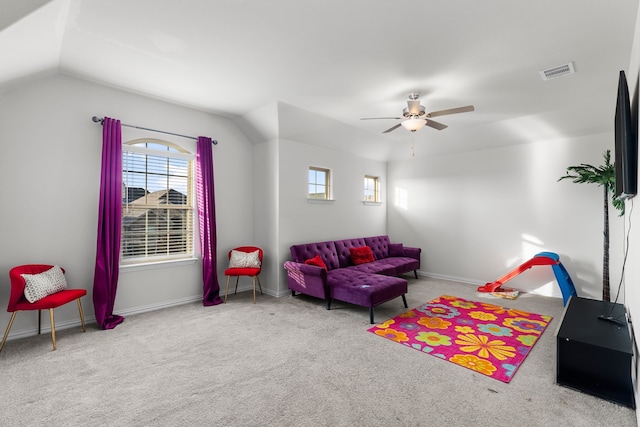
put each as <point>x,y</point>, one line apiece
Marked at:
<point>320,201</point>
<point>125,268</point>
<point>367,203</point>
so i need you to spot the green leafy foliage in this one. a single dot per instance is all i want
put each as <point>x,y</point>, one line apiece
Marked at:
<point>603,176</point>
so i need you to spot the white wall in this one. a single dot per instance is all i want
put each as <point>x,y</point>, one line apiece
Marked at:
<point>478,215</point>
<point>301,221</point>
<point>50,170</point>
<point>287,141</point>
<point>265,213</point>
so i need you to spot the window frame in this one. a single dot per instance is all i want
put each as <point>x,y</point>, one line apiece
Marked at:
<point>327,194</point>
<point>186,229</point>
<point>375,190</point>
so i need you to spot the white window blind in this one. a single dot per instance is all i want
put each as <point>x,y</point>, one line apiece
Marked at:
<point>157,202</point>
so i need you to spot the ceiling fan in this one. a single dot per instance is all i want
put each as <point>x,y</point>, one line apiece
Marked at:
<point>415,117</point>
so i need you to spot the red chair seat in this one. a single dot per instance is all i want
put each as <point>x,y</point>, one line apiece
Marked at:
<point>51,301</point>
<point>242,272</point>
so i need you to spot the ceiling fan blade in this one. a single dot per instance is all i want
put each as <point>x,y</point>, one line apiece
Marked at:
<point>392,128</point>
<point>381,118</point>
<point>464,109</point>
<point>436,125</point>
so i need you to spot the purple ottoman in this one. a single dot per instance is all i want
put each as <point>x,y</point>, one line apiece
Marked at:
<point>367,290</point>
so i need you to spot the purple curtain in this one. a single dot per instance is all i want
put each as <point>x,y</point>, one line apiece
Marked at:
<point>105,279</point>
<point>207,218</point>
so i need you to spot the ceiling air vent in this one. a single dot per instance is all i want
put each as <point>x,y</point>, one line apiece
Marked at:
<point>559,71</point>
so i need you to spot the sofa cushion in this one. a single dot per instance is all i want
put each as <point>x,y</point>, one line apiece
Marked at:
<point>396,249</point>
<point>379,266</point>
<point>403,264</point>
<point>368,290</point>
<point>361,255</point>
<point>317,261</point>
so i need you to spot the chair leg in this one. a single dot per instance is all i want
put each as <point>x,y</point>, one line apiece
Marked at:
<point>227,291</point>
<point>39,321</point>
<point>53,328</point>
<point>6,333</point>
<point>253,282</point>
<point>259,284</point>
<point>237,279</point>
<point>81,315</point>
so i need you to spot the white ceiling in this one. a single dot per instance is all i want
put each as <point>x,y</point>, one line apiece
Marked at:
<point>343,60</point>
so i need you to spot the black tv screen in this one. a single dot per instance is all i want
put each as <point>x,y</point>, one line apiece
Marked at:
<point>626,144</point>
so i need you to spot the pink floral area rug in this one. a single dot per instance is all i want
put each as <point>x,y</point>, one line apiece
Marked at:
<point>483,337</point>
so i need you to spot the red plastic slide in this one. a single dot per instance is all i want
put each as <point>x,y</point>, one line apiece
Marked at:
<point>536,260</point>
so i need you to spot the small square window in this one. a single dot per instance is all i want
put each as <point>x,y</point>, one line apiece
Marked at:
<point>319,183</point>
<point>371,188</point>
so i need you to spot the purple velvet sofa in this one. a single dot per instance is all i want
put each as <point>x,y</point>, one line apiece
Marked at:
<point>368,285</point>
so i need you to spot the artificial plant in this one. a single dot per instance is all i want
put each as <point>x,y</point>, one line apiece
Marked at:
<point>604,176</point>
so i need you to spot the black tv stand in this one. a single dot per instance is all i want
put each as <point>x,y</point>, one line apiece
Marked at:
<point>595,351</point>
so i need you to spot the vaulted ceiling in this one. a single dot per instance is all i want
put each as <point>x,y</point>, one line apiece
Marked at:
<point>326,64</point>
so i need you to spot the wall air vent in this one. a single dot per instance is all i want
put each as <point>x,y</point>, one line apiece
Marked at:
<point>559,71</point>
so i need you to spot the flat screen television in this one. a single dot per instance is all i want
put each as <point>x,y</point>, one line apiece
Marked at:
<point>626,143</point>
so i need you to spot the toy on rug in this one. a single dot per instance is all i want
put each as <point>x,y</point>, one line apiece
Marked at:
<point>506,293</point>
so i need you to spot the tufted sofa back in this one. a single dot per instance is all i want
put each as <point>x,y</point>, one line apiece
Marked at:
<point>343,246</point>
<point>336,254</point>
<point>379,245</point>
<point>326,250</point>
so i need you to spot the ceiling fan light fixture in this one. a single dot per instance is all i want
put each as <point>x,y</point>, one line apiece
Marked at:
<point>416,117</point>
<point>413,124</point>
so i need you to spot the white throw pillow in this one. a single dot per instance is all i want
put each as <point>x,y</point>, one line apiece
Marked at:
<point>43,284</point>
<point>241,259</point>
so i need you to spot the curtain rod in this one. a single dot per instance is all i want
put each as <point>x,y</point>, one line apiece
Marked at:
<point>100,120</point>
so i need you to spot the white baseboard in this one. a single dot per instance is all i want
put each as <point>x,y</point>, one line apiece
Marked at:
<point>451,278</point>
<point>75,323</point>
<point>157,306</point>
<point>46,327</point>
<point>474,283</point>
<point>266,291</point>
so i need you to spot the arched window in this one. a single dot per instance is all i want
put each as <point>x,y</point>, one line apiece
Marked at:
<point>157,202</point>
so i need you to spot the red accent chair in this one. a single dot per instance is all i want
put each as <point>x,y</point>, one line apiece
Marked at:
<point>18,302</point>
<point>245,271</point>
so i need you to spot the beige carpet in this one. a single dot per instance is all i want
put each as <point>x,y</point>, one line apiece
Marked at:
<point>281,362</point>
